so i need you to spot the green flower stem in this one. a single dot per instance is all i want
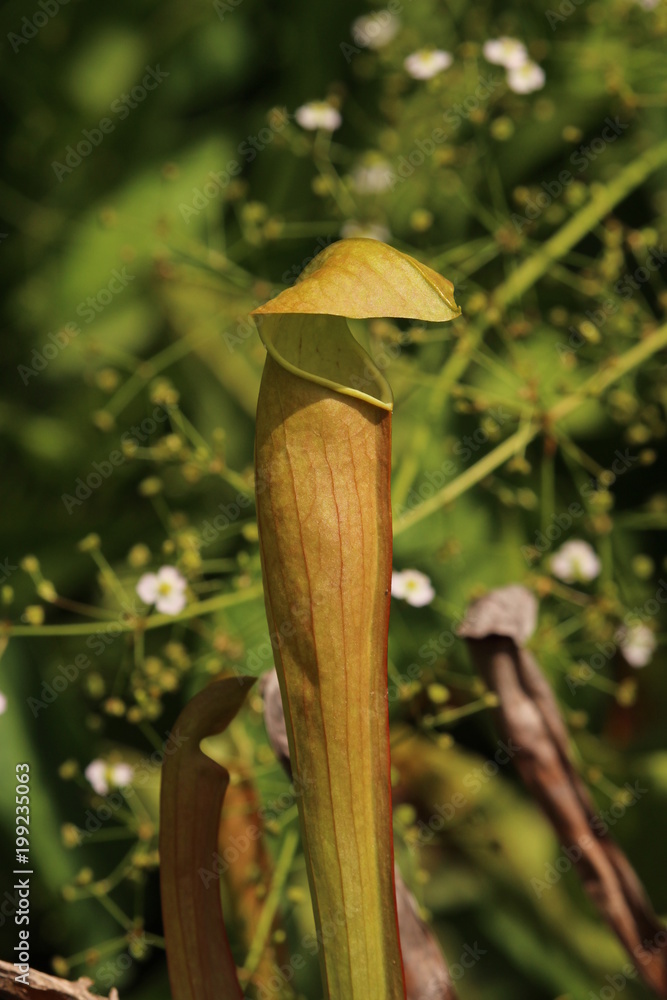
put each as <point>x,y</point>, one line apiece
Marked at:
<point>519,282</point>
<point>548,485</point>
<point>579,225</point>
<point>148,370</point>
<point>591,388</point>
<point>299,230</point>
<point>322,160</point>
<point>107,948</point>
<point>578,456</point>
<point>649,520</point>
<point>187,428</point>
<point>270,908</point>
<point>109,576</point>
<point>155,940</point>
<point>451,715</point>
<point>502,453</point>
<point>460,253</point>
<point>217,603</point>
<point>601,380</point>
<point>115,833</point>
<point>115,911</point>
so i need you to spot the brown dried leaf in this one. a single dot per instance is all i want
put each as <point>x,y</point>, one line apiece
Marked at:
<point>243,849</point>
<point>200,962</point>
<point>528,715</point>
<point>274,719</point>
<point>509,611</point>
<point>426,974</point>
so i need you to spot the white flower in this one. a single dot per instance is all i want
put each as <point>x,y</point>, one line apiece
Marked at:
<point>102,775</point>
<point>96,773</point>
<point>575,562</point>
<point>165,589</point>
<point>504,51</point>
<point>412,586</point>
<point>637,644</point>
<point>373,177</point>
<point>121,774</point>
<point>368,231</point>
<point>426,63</point>
<point>525,79</point>
<point>318,114</point>
<point>373,31</point>
<point>648,4</point>
<point>3,703</point>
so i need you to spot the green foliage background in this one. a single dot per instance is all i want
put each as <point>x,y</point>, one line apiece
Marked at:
<point>178,333</point>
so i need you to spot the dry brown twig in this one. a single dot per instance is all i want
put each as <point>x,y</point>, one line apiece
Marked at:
<point>496,628</point>
<point>44,987</point>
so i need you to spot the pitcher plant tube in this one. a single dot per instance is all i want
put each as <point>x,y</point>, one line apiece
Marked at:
<point>323,462</point>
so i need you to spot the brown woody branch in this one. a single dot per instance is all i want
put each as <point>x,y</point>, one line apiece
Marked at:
<point>496,627</point>
<point>44,987</point>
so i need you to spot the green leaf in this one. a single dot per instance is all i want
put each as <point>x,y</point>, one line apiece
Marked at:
<point>362,279</point>
<point>302,328</point>
<point>322,349</point>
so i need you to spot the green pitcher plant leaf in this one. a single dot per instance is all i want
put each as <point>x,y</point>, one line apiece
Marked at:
<point>200,962</point>
<point>323,458</point>
<point>427,976</point>
<point>304,327</point>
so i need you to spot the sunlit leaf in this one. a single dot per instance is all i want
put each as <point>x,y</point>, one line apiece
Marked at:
<point>360,279</point>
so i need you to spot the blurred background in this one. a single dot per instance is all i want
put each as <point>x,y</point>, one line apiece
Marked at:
<point>168,168</point>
